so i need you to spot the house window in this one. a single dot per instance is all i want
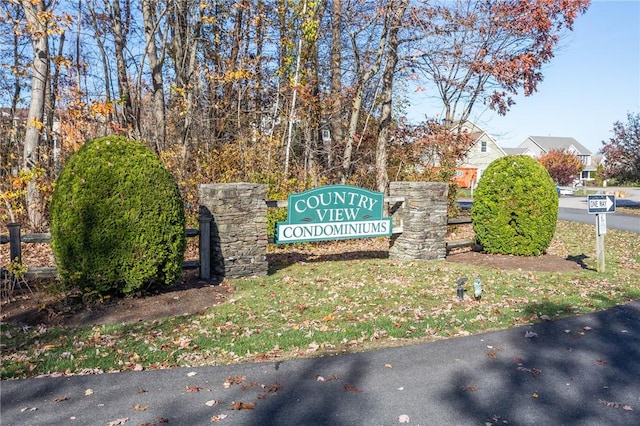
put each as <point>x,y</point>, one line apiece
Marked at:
<point>483,146</point>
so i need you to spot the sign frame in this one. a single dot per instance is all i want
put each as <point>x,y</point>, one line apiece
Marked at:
<point>333,212</point>
<point>601,203</point>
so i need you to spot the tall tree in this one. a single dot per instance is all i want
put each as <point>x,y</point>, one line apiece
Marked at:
<point>37,16</point>
<point>622,151</point>
<point>398,9</point>
<point>155,57</point>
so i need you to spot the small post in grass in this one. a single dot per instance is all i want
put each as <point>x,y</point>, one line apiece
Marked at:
<point>460,290</point>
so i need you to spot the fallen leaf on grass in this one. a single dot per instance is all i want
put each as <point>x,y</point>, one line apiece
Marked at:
<point>239,405</point>
<point>139,407</point>
<point>349,388</point>
<point>60,399</point>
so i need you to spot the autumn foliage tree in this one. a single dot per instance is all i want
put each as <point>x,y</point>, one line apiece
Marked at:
<point>563,166</point>
<point>291,94</point>
<point>622,151</point>
<point>487,51</point>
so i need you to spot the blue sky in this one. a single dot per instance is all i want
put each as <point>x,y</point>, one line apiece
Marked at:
<point>593,81</point>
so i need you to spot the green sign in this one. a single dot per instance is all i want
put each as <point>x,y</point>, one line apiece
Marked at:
<point>333,212</point>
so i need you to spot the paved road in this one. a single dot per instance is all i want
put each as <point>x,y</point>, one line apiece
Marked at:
<point>574,208</point>
<point>577,371</point>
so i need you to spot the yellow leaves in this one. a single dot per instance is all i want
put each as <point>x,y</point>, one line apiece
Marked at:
<point>35,122</point>
<point>101,109</point>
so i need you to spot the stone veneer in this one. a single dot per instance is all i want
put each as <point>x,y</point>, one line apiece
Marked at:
<point>238,228</point>
<point>423,217</point>
<point>239,225</point>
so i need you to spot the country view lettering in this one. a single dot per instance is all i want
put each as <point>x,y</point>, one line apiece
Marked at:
<point>349,204</point>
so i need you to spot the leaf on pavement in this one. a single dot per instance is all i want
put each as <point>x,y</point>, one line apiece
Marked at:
<point>139,407</point>
<point>88,392</point>
<point>403,418</point>
<point>118,422</point>
<point>614,404</point>
<point>193,388</point>
<point>239,405</point>
<point>233,381</point>
<point>349,388</point>
<point>216,419</point>
<point>60,399</point>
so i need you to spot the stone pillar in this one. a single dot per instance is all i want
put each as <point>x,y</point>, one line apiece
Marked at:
<point>238,228</point>
<point>423,218</point>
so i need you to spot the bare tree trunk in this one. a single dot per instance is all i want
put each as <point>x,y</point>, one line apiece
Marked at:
<point>337,132</point>
<point>156,62</point>
<point>120,44</point>
<point>39,78</point>
<point>391,60</point>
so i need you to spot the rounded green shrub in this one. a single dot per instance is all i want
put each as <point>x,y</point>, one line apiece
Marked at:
<point>117,220</point>
<point>515,207</point>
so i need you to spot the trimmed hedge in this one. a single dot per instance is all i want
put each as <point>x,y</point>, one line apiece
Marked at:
<point>117,220</point>
<point>515,207</point>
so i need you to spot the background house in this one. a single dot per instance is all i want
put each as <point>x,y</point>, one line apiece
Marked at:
<point>484,150</point>
<point>541,145</point>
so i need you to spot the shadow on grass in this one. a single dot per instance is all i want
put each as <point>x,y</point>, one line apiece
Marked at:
<point>579,259</point>
<point>547,308</point>
<point>278,261</point>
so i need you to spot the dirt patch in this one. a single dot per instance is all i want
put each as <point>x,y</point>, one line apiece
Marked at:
<point>190,296</point>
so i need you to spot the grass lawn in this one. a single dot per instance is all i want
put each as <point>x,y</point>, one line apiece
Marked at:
<point>319,308</point>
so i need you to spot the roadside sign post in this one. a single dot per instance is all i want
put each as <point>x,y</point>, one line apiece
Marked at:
<point>600,205</point>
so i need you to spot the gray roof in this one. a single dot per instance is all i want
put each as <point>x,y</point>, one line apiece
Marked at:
<point>515,151</point>
<point>547,143</point>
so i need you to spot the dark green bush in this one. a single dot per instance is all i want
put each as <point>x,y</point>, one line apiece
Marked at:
<point>515,207</point>
<point>117,220</point>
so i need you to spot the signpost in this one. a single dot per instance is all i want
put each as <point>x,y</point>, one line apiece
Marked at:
<point>600,205</point>
<point>333,212</point>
